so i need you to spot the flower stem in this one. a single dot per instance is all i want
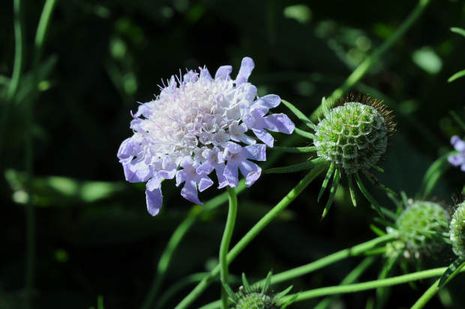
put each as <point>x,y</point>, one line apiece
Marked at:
<point>369,285</point>
<point>321,263</point>
<point>225,242</point>
<point>174,241</point>
<point>368,63</point>
<point>253,232</point>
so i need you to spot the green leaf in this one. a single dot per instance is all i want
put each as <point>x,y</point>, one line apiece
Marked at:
<point>324,185</point>
<point>291,168</point>
<point>332,193</point>
<point>304,133</point>
<point>458,30</point>
<point>368,196</point>
<point>295,149</point>
<point>353,196</point>
<point>456,76</point>
<point>433,174</point>
<point>300,115</point>
<point>451,271</point>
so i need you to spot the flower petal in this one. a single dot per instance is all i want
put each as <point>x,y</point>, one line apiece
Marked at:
<point>458,143</point>
<point>251,171</point>
<point>247,66</point>
<point>205,183</point>
<point>231,174</point>
<point>154,200</point>
<point>279,123</point>
<point>270,101</point>
<point>256,152</point>
<point>223,72</point>
<point>264,136</point>
<point>189,192</point>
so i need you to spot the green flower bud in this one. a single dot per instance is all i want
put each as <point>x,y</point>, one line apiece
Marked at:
<point>457,231</point>
<point>354,136</point>
<point>422,228</point>
<point>257,296</point>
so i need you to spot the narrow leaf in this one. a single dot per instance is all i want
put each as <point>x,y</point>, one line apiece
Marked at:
<point>353,197</point>
<point>456,76</point>
<point>332,193</point>
<point>295,149</point>
<point>368,196</point>
<point>303,133</point>
<point>299,114</point>
<point>458,30</point>
<point>433,174</point>
<point>293,168</point>
<point>328,176</point>
<point>451,272</point>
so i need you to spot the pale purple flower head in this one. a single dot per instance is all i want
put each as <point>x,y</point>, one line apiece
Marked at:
<point>458,159</point>
<point>201,125</point>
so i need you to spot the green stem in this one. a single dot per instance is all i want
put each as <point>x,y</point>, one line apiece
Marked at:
<point>369,285</point>
<point>253,232</point>
<point>42,28</point>
<point>19,49</point>
<point>426,297</point>
<point>350,278</point>
<point>368,63</point>
<point>321,263</point>
<point>330,259</point>
<point>167,256</point>
<point>225,242</point>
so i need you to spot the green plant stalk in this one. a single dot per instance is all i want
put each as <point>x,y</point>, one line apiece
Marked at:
<point>368,63</point>
<point>42,28</point>
<point>224,246</point>
<point>435,288</point>
<point>29,153</point>
<point>331,259</point>
<point>253,232</point>
<point>368,285</point>
<point>176,238</point>
<point>352,277</point>
<point>19,49</point>
<point>178,286</point>
<point>321,263</point>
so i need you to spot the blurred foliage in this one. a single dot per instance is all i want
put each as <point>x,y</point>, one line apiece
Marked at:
<point>95,239</point>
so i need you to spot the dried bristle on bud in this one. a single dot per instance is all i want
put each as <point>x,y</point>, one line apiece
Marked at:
<point>422,228</point>
<point>354,135</point>
<point>457,231</point>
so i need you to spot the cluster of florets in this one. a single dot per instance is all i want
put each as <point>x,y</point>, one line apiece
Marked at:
<point>457,231</point>
<point>200,124</point>
<point>420,229</point>
<point>258,296</point>
<point>354,135</point>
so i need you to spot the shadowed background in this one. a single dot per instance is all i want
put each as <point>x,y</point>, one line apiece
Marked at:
<point>94,236</point>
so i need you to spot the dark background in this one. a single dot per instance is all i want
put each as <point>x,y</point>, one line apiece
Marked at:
<point>94,236</point>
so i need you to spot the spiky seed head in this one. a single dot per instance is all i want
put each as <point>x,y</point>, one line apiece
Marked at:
<point>422,228</point>
<point>457,231</point>
<point>354,135</point>
<point>257,296</point>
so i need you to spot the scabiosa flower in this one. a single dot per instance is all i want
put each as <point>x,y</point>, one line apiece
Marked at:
<point>198,125</point>
<point>458,159</point>
<point>352,138</point>
<point>457,231</point>
<point>258,296</point>
<point>421,228</point>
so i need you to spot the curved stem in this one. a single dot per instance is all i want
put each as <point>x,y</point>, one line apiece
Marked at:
<point>321,263</point>
<point>369,285</point>
<point>253,232</point>
<point>330,259</point>
<point>225,242</point>
<point>426,297</point>
<point>19,49</point>
<point>368,63</point>
<point>174,241</point>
